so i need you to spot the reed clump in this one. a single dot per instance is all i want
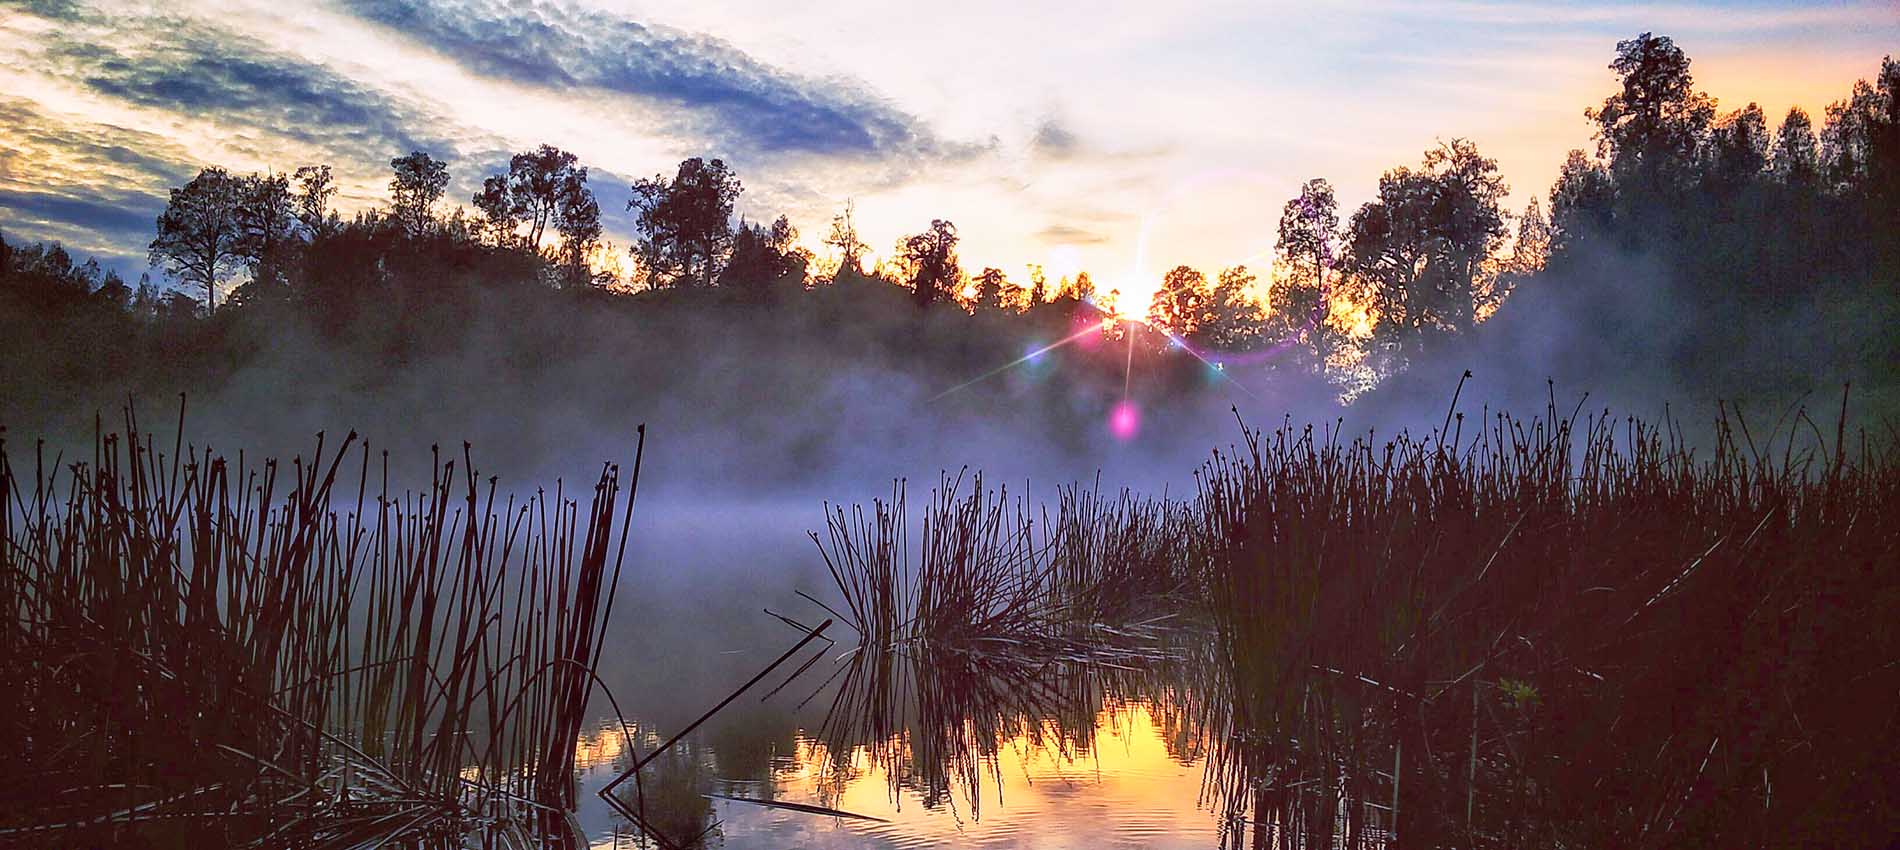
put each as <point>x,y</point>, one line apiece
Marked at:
<point>990,577</point>
<point>213,650</point>
<point>1556,632</point>
<point>999,625</point>
<point>1561,631</point>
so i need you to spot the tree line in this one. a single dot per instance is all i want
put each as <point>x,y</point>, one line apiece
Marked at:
<point>1747,219</point>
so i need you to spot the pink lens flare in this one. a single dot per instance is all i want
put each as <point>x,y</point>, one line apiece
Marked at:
<point>1124,421</point>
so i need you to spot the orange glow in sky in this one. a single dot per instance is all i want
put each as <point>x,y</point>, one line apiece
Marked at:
<point>1142,139</point>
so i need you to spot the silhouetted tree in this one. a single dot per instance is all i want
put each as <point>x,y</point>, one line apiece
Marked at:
<point>929,262</point>
<point>315,189</point>
<point>1531,250</point>
<point>145,298</point>
<point>994,292</point>
<point>1038,286</point>
<point>766,257</point>
<point>266,218</point>
<point>1082,288</point>
<point>1469,223</point>
<point>418,182</point>
<point>844,238</point>
<point>200,233</point>
<point>543,189</point>
<point>1235,320</point>
<point>1182,302</point>
<point>1309,226</point>
<point>1795,157</point>
<point>1650,130</point>
<point>1737,150</point>
<point>113,291</point>
<point>687,222</point>
<point>1860,143</point>
<point>579,226</point>
<point>1582,201</point>
<point>499,224</point>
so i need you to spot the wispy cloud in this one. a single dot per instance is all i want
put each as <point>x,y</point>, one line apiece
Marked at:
<point>208,73</point>
<point>1055,140</point>
<point>743,103</point>
<point>1069,234</point>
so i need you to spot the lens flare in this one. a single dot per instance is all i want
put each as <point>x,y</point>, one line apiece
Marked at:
<point>1125,420</point>
<point>1027,358</point>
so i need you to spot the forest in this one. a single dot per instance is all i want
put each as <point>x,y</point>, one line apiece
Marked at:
<point>1697,253</point>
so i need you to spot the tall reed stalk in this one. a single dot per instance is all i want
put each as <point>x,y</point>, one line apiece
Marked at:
<point>203,649</point>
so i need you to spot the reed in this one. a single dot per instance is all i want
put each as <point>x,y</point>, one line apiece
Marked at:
<point>999,625</point>
<point>988,576</point>
<point>1563,631</point>
<point>1558,632</point>
<point>206,649</point>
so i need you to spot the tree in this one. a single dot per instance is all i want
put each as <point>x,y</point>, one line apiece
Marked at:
<point>200,234</point>
<point>1082,288</point>
<point>929,261</point>
<point>844,237</point>
<point>687,223</point>
<point>1795,157</point>
<point>1531,250</point>
<point>1884,141</point>
<point>145,298</point>
<point>994,292</point>
<point>1309,225</point>
<point>1423,245</point>
<point>315,188</point>
<point>1737,151</point>
<point>499,224</point>
<point>1469,224</point>
<point>1582,202</point>
<point>1038,286</point>
<point>266,217</point>
<point>113,290</point>
<point>578,222</point>
<point>1860,143</point>
<point>1181,304</point>
<point>542,189</point>
<point>1651,128</point>
<point>1235,320</point>
<point>764,257</point>
<point>418,183</point>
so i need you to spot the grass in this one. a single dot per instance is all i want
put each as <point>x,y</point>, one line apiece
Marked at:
<point>213,650</point>
<point>1563,631</point>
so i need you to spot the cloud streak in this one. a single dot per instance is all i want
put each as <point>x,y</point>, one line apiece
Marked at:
<point>205,72</point>
<point>743,103</point>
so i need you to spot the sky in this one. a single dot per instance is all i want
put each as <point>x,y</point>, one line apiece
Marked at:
<point>1120,138</point>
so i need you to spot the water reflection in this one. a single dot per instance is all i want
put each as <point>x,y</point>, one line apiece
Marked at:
<point>940,746</point>
<point>1124,784</point>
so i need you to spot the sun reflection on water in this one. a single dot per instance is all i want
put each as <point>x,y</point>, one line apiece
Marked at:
<point>1129,784</point>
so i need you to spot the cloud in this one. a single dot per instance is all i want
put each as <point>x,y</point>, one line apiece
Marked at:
<point>741,102</point>
<point>1054,140</point>
<point>119,216</point>
<point>56,10</point>
<point>202,71</point>
<point>1070,234</point>
<point>95,187</point>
